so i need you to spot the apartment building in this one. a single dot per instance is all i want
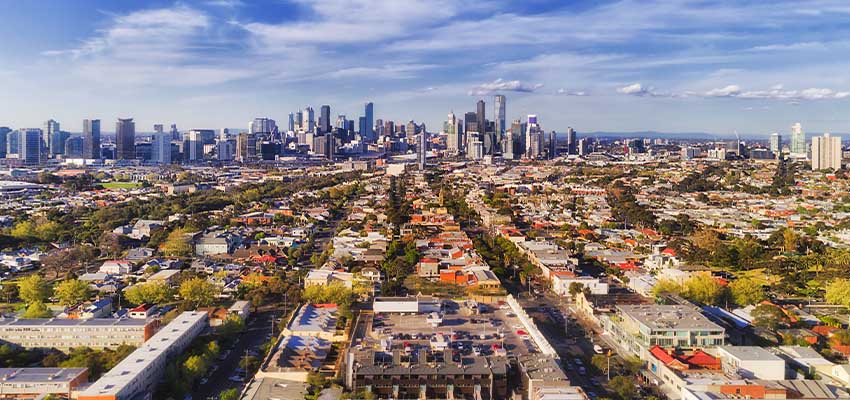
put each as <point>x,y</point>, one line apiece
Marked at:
<point>137,375</point>
<point>33,383</point>
<point>97,333</point>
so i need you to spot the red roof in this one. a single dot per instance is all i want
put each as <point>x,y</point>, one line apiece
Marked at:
<point>703,359</point>
<point>669,252</point>
<point>661,354</point>
<point>429,260</point>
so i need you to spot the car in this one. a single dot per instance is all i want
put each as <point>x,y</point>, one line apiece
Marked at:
<point>582,371</point>
<point>236,378</point>
<point>204,381</point>
<point>597,349</point>
<point>592,395</point>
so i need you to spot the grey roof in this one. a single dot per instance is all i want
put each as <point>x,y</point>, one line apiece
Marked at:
<point>668,317</point>
<point>39,375</point>
<point>750,353</point>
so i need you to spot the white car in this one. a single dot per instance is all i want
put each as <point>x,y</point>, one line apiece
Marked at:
<point>237,378</point>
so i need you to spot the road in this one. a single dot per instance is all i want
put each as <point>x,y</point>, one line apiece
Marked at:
<point>259,326</point>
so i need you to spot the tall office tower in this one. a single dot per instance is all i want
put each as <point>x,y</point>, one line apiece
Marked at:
<point>57,142</point>
<point>299,116</point>
<point>389,128</point>
<point>508,145</point>
<point>534,137</point>
<point>552,150</point>
<point>518,136</point>
<point>412,129</point>
<point>325,118</point>
<point>475,147</point>
<point>776,144</point>
<point>125,139</point>
<point>4,136</point>
<point>308,119</point>
<point>798,141</point>
<point>175,134</point>
<point>246,147</point>
<point>499,115</point>
<point>224,134</point>
<point>341,122</point>
<point>291,126</point>
<point>361,129</point>
<point>379,128</point>
<point>584,146</point>
<point>369,123</point>
<point>161,147</point>
<point>452,135</point>
<point>31,146</point>
<point>193,147</point>
<point>50,127</point>
<point>91,138</point>
<point>13,144</point>
<point>826,152</point>
<point>572,144</point>
<point>158,128</point>
<point>480,116</point>
<point>470,123</point>
<point>263,126</point>
<point>422,150</point>
<point>74,147</point>
<point>225,149</point>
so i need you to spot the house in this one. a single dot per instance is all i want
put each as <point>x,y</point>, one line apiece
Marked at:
<point>139,254</point>
<point>168,276</point>
<point>116,267</point>
<point>428,267</point>
<point>98,309</point>
<point>242,308</point>
<point>143,311</point>
<point>216,242</point>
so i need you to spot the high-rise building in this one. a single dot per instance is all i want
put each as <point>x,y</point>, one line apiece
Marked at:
<point>246,147</point>
<point>50,128</point>
<point>175,134</point>
<point>262,126</point>
<point>225,150</point>
<point>74,147</point>
<point>299,116</point>
<point>369,133</point>
<point>31,146</point>
<point>57,142</point>
<point>475,147</point>
<point>325,118</point>
<point>585,146</point>
<point>572,143</point>
<point>480,116</point>
<point>776,144</point>
<point>91,138</point>
<point>308,121</point>
<point>158,128</point>
<point>4,136</point>
<point>125,139</point>
<point>161,147</point>
<point>499,115</point>
<point>470,123</point>
<point>13,144</point>
<point>422,150</point>
<point>193,148</point>
<point>453,135</point>
<point>826,152</point>
<point>291,122</point>
<point>533,137</point>
<point>798,141</point>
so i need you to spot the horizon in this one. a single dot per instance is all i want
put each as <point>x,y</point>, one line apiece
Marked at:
<point>614,66</point>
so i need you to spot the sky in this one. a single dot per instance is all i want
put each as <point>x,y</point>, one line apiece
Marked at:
<point>754,67</point>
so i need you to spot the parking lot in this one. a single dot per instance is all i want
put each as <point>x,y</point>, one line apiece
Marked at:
<point>466,330</point>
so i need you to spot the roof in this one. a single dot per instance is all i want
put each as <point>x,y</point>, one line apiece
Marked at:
<point>668,317</point>
<point>39,375</point>
<point>749,353</point>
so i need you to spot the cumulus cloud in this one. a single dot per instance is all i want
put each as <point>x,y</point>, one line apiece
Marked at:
<point>637,89</point>
<point>500,85</point>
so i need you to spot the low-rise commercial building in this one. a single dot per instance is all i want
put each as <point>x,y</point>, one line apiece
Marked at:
<point>32,383</point>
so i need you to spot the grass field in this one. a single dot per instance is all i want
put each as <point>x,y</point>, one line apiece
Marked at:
<point>121,185</point>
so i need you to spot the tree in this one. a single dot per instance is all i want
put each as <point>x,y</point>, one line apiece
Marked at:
<point>229,394</point>
<point>768,316</point>
<point>111,244</point>
<point>600,361</point>
<point>704,289</point>
<point>198,292</point>
<point>575,288</point>
<point>195,366</point>
<point>33,289</point>
<point>37,309</point>
<point>156,292</point>
<point>838,292</point>
<point>623,387</point>
<point>9,291</point>
<point>177,244</point>
<point>666,286</point>
<point>746,291</point>
<point>789,240</point>
<point>841,337</point>
<point>72,292</point>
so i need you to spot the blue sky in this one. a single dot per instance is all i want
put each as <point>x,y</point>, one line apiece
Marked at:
<point>671,65</point>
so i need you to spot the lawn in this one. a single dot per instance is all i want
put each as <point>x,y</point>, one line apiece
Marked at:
<point>121,185</point>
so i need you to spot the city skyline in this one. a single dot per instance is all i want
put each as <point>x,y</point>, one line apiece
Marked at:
<point>595,66</point>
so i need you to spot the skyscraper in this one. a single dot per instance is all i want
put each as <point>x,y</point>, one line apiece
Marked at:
<point>453,139</point>
<point>193,148</point>
<point>499,115</point>
<point>4,135</point>
<point>158,128</point>
<point>826,152</point>
<point>291,122</point>
<point>91,138</point>
<point>125,139</point>
<point>246,147</point>
<point>572,144</point>
<point>298,117</point>
<point>175,134</point>
<point>369,123</point>
<point>31,146</point>
<point>533,137</point>
<point>423,150</point>
<point>161,148</point>
<point>798,141</point>
<point>57,142</point>
<point>13,144</point>
<point>776,144</point>
<point>262,126</point>
<point>325,119</point>
<point>480,116</point>
<point>308,121</point>
<point>50,128</point>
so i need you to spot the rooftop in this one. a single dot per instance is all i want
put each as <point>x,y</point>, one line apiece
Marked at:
<point>668,317</point>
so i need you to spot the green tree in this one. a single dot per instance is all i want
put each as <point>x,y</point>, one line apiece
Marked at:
<point>575,288</point>
<point>33,289</point>
<point>37,309</point>
<point>623,387</point>
<point>195,366</point>
<point>198,292</point>
<point>72,291</point>
<point>746,291</point>
<point>666,286</point>
<point>768,316</point>
<point>600,361</point>
<point>9,291</point>
<point>177,244</point>
<point>156,292</point>
<point>703,288</point>
<point>838,292</point>
<point>229,394</point>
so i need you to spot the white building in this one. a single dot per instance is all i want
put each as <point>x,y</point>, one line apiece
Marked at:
<point>751,362</point>
<point>826,152</point>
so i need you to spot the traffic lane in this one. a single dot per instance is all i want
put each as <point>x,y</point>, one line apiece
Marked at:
<point>258,327</point>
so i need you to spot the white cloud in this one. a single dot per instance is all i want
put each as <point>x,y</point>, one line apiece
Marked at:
<point>777,92</point>
<point>565,92</point>
<point>728,91</point>
<point>500,85</point>
<point>637,89</point>
<point>396,71</point>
